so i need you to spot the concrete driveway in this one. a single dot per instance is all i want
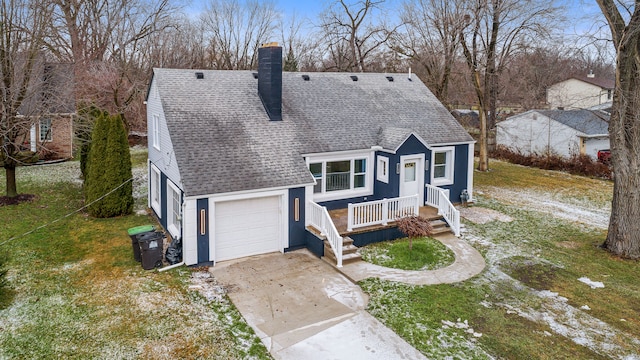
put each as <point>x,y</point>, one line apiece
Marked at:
<point>302,308</point>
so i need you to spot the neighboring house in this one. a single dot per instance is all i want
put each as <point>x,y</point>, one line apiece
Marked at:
<point>52,108</point>
<point>239,161</point>
<point>561,132</point>
<point>580,92</point>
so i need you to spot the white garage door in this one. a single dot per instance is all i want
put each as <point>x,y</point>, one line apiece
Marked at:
<point>247,227</point>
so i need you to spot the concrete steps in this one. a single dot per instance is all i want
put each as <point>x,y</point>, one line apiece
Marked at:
<point>439,227</point>
<point>349,252</point>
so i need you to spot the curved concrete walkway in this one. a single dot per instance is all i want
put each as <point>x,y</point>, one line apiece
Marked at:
<point>468,264</point>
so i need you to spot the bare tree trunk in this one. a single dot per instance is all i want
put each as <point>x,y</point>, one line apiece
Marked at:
<point>483,162</point>
<point>623,238</point>
<point>10,172</point>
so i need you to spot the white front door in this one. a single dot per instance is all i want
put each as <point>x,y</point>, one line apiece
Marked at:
<point>412,175</point>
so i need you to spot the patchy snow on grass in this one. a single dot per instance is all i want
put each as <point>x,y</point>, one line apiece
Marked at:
<point>591,283</point>
<point>68,171</point>
<point>481,215</point>
<point>569,208</point>
<point>544,306</point>
<point>550,308</point>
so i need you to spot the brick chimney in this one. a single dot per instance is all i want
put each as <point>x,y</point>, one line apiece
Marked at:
<point>270,79</point>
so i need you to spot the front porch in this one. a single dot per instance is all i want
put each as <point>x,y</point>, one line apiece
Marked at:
<point>340,218</point>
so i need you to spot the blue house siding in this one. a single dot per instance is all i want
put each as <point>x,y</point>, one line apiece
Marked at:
<point>297,231</point>
<point>460,174</point>
<point>203,237</point>
<point>371,237</point>
<point>314,244</point>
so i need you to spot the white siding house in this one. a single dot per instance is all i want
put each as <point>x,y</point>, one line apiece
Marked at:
<point>580,93</point>
<point>561,132</point>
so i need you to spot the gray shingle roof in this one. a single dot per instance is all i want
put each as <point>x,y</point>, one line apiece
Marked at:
<point>589,122</point>
<point>605,83</point>
<point>224,142</point>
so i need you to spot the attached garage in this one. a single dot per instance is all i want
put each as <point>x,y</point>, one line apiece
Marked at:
<point>248,227</point>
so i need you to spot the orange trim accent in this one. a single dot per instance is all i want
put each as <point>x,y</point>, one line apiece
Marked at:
<point>203,223</point>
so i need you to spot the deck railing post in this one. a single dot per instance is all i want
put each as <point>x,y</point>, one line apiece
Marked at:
<point>350,217</point>
<point>416,209</point>
<point>456,228</point>
<point>323,231</point>
<point>385,211</point>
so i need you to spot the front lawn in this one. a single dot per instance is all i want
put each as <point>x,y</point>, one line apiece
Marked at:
<point>535,299</point>
<point>75,290</point>
<point>425,254</point>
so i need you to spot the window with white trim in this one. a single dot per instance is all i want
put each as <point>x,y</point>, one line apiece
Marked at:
<point>442,166</point>
<point>174,221</point>
<point>341,177</point>
<point>154,190</point>
<point>45,130</point>
<point>383,169</point>
<point>156,132</point>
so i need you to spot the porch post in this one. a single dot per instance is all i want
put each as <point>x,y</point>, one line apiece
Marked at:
<point>385,211</point>
<point>416,210</point>
<point>323,231</point>
<point>350,217</point>
<point>456,221</point>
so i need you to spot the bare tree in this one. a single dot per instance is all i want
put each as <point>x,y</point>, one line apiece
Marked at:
<point>623,238</point>
<point>236,30</point>
<point>354,32</point>
<point>494,31</point>
<point>430,39</point>
<point>299,45</point>
<point>181,46</point>
<point>107,41</point>
<point>22,29</point>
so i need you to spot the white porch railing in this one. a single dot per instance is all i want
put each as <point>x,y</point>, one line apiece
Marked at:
<point>319,218</point>
<point>437,198</point>
<point>381,211</point>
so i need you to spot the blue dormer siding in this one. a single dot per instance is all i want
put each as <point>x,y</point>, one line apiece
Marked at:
<point>391,188</point>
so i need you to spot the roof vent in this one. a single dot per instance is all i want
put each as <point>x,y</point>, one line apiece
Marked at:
<point>199,75</point>
<point>390,78</point>
<point>354,78</point>
<point>255,75</point>
<point>305,77</point>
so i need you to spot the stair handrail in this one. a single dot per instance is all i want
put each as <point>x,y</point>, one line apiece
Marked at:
<point>321,220</point>
<point>437,198</point>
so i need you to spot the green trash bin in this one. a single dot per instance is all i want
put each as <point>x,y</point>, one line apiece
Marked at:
<point>135,233</point>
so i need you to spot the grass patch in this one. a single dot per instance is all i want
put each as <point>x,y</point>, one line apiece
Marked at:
<point>427,254</point>
<point>571,187</point>
<point>536,275</point>
<point>76,292</point>
<point>419,314</point>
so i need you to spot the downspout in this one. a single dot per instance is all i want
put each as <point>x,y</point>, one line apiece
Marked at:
<point>171,266</point>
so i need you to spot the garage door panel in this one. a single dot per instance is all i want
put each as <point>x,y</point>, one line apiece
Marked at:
<point>247,227</point>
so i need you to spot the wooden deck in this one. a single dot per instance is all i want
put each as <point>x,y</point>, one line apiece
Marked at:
<point>339,217</point>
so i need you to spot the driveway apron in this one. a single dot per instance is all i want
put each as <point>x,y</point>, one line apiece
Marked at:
<point>301,308</point>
